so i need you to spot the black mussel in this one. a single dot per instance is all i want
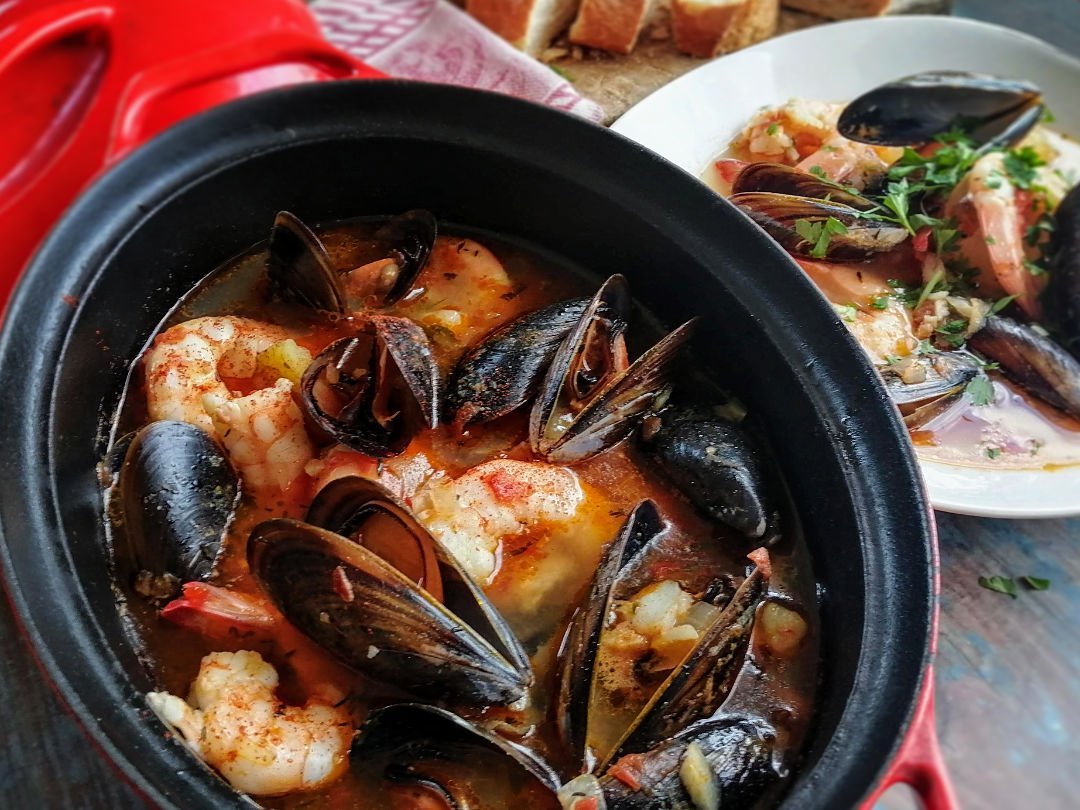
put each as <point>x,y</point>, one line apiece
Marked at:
<point>722,763</point>
<point>427,753</point>
<point>592,397</point>
<point>378,620</point>
<point>409,238</point>
<point>914,110</point>
<point>1031,360</point>
<point>504,370</point>
<point>582,638</point>
<point>608,704</point>
<point>917,381</point>
<point>373,391</point>
<point>818,229</point>
<point>299,268</point>
<point>1062,296</point>
<point>776,178</point>
<point>177,493</point>
<point>714,463</point>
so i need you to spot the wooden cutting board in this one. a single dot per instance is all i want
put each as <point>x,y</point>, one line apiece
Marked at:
<point>618,82</point>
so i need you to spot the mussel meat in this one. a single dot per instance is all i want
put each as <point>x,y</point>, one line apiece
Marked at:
<point>373,391</point>
<point>789,220</point>
<point>1062,296</point>
<point>1031,360</point>
<point>409,239</point>
<point>177,493</point>
<point>650,700</point>
<point>722,763</point>
<point>504,371</point>
<point>412,618</point>
<point>714,463</point>
<point>592,397</point>
<point>776,178</point>
<point>428,752</point>
<point>914,110</point>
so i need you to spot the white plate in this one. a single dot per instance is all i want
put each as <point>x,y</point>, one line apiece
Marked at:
<point>690,120</point>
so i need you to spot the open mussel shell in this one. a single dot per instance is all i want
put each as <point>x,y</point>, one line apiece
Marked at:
<point>177,494</point>
<point>450,761</point>
<point>591,398</point>
<point>582,639</point>
<point>1031,360</point>
<point>716,465</point>
<point>695,688</point>
<point>504,370</point>
<point>914,110</point>
<point>299,268</point>
<point>777,178</point>
<point>380,622</point>
<point>941,374</point>
<point>721,763</point>
<point>409,238</point>
<point>373,391</point>
<point>779,214</point>
<point>1062,297</point>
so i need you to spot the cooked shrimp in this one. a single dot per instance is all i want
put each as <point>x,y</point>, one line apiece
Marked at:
<point>883,334</point>
<point>849,163</point>
<point>494,501</point>
<point>264,435</point>
<point>263,432</point>
<point>234,721</point>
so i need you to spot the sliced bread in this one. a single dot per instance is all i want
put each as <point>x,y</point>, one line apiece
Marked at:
<point>613,25</point>
<point>526,24</point>
<point>710,27</point>
<point>840,9</point>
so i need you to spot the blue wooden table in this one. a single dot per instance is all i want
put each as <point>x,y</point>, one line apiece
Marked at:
<point>1008,669</point>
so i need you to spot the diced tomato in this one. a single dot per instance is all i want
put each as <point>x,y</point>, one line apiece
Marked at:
<point>729,168</point>
<point>218,613</point>
<point>921,242</point>
<point>628,770</point>
<point>589,803</point>
<point>760,558</point>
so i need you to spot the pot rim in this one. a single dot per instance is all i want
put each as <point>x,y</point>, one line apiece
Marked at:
<point>890,495</point>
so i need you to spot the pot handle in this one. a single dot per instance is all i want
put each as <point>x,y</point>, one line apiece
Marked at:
<point>152,88</point>
<point>919,763</point>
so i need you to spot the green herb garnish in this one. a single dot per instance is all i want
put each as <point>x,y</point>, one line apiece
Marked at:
<point>772,128</point>
<point>999,584</point>
<point>1035,583</point>
<point>1021,166</point>
<point>1001,303</point>
<point>819,234</point>
<point>981,391</point>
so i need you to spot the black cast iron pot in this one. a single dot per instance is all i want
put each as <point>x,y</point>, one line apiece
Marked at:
<point>208,188</point>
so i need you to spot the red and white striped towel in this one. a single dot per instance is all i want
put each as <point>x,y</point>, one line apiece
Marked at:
<point>434,41</point>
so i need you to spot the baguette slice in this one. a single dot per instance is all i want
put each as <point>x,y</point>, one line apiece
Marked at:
<point>710,27</point>
<point>526,24</point>
<point>613,25</point>
<point>846,9</point>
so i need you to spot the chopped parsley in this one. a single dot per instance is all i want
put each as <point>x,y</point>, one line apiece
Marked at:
<point>772,129</point>
<point>817,171</point>
<point>819,234</point>
<point>562,73</point>
<point>1022,166</point>
<point>999,584</point>
<point>880,302</point>
<point>1034,268</point>
<point>1001,303</point>
<point>981,392</point>
<point>993,452</point>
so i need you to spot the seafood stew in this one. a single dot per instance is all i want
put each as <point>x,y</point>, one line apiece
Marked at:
<point>938,214</point>
<point>394,499</point>
<point>146,232</point>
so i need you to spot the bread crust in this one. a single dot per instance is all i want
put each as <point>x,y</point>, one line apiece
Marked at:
<point>706,28</point>
<point>841,9</point>
<point>613,25</point>
<point>521,23</point>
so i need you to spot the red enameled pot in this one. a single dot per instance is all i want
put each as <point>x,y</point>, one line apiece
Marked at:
<point>82,83</point>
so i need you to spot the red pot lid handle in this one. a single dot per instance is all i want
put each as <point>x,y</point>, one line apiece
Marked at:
<point>83,82</point>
